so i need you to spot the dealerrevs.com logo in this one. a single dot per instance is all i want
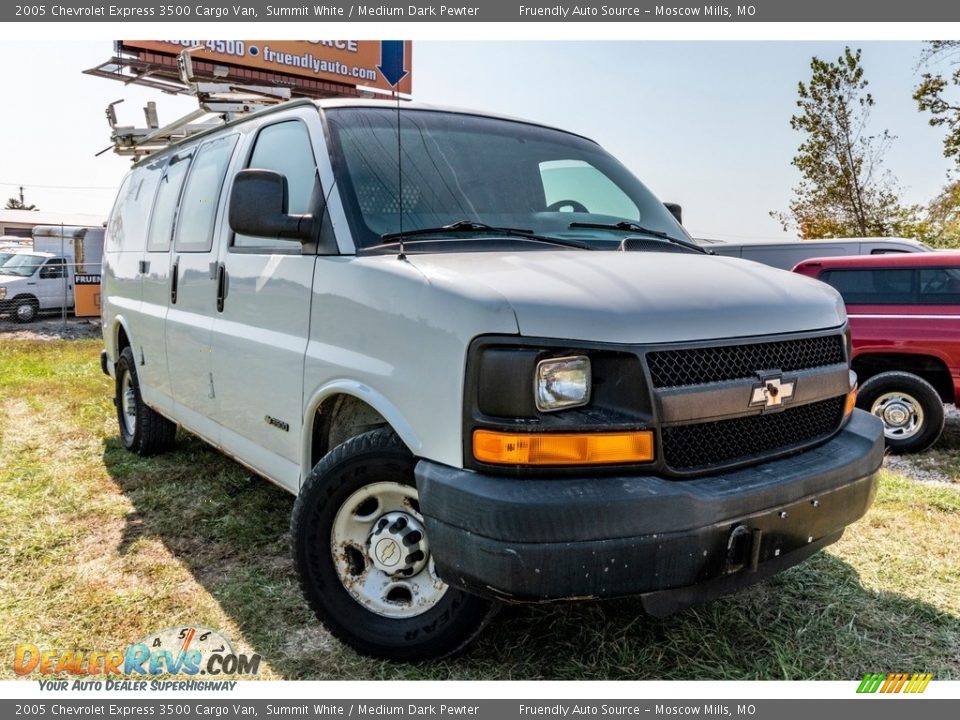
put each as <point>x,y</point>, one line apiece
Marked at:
<point>188,650</point>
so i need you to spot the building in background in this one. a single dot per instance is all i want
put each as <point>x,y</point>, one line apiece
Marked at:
<point>20,223</point>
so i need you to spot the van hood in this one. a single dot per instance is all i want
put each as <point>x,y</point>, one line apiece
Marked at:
<point>638,297</point>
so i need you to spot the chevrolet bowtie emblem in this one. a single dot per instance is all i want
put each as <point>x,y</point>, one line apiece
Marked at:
<point>772,392</point>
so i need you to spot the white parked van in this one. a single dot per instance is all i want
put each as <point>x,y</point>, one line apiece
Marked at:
<point>491,365</point>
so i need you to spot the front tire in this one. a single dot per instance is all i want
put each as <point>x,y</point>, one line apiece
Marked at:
<point>142,430</point>
<point>25,310</point>
<point>909,407</point>
<point>363,557</point>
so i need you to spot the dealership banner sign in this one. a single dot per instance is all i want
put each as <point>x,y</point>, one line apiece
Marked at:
<point>382,64</point>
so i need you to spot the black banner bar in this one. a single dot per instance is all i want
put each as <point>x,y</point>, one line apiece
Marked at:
<point>227,708</point>
<point>260,11</point>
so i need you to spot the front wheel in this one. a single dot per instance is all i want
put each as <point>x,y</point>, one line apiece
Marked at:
<point>25,309</point>
<point>909,406</point>
<point>363,556</point>
<point>142,430</point>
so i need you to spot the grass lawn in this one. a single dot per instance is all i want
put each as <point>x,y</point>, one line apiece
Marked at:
<point>100,548</point>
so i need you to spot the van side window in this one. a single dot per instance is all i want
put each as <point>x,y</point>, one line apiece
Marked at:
<point>201,195</point>
<point>865,286</point>
<point>128,222</point>
<point>284,148</point>
<point>165,207</point>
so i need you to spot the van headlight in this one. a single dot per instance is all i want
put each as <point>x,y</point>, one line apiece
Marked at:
<point>562,383</point>
<point>3,293</point>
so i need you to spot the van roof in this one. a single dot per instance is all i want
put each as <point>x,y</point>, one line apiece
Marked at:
<point>331,103</point>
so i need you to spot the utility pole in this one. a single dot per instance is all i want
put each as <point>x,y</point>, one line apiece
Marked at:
<point>21,196</point>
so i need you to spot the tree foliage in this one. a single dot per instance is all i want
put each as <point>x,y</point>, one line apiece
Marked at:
<point>942,222</point>
<point>844,190</point>
<point>939,93</point>
<point>16,204</point>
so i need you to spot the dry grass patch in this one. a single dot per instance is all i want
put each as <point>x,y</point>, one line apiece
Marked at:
<point>98,548</point>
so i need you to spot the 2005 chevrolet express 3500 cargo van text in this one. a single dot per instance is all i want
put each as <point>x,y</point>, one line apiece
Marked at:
<point>498,372</point>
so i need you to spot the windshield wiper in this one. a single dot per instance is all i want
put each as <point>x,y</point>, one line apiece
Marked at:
<point>628,226</point>
<point>470,226</point>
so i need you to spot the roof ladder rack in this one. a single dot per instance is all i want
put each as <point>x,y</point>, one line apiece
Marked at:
<point>224,101</point>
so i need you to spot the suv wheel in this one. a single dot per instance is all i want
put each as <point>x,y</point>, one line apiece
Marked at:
<point>363,557</point>
<point>142,430</point>
<point>909,406</point>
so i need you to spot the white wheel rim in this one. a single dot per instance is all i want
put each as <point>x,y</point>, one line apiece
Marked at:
<point>25,312</point>
<point>128,405</point>
<point>393,596</point>
<point>901,413</point>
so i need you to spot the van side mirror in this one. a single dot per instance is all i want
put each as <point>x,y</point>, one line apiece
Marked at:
<point>675,210</point>
<point>258,207</point>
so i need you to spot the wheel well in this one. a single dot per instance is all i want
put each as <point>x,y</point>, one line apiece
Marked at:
<point>930,368</point>
<point>26,296</point>
<point>122,339</point>
<point>339,418</point>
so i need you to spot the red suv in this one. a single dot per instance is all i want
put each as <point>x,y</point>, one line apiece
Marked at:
<point>905,317</point>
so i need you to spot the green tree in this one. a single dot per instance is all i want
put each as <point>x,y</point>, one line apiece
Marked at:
<point>939,93</point>
<point>942,222</point>
<point>16,204</point>
<point>844,190</point>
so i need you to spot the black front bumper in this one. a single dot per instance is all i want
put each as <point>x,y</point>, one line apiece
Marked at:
<point>674,542</point>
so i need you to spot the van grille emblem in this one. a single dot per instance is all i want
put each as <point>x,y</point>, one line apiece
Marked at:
<point>772,392</point>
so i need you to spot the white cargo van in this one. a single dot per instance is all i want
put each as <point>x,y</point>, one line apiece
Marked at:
<point>489,363</point>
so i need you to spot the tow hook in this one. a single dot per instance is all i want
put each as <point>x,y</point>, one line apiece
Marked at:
<point>743,549</point>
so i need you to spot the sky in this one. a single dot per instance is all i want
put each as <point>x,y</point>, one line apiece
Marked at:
<point>704,124</point>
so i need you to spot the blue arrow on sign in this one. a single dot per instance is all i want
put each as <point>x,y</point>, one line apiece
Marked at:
<point>392,61</point>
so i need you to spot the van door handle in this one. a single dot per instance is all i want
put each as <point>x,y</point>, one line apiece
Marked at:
<point>174,280</point>
<point>144,267</point>
<point>221,286</point>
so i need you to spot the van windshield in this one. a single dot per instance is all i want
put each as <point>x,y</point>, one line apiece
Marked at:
<point>22,264</point>
<point>469,172</point>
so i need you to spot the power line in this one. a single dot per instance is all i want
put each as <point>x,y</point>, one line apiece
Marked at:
<point>30,186</point>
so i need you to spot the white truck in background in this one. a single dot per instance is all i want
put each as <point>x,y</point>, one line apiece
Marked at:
<point>81,247</point>
<point>42,279</point>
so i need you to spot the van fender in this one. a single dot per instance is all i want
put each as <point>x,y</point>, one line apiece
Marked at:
<point>371,397</point>
<point>112,340</point>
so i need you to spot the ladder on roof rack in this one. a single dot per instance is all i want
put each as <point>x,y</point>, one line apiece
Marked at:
<point>225,101</point>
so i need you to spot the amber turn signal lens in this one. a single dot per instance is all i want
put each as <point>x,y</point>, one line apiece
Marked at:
<point>851,401</point>
<point>501,448</point>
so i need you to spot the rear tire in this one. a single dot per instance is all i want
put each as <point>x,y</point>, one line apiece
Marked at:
<point>909,406</point>
<point>142,430</point>
<point>363,557</point>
